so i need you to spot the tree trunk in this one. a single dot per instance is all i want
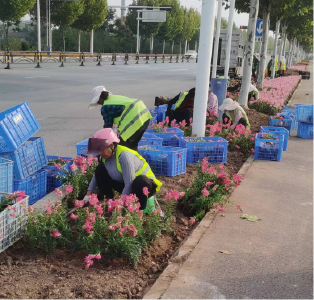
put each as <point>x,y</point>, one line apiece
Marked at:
<point>180,48</point>
<point>185,47</point>
<point>163,47</point>
<point>283,53</point>
<point>172,47</point>
<point>281,44</point>
<point>273,69</point>
<point>151,45</point>
<point>289,53</point>
<point>266,14</point>
<point>79,41</point>
<point>292,53</point>
<point>63,35</point>
<point>298,52</point>
<point>248,59</point>
<point>188,46</point>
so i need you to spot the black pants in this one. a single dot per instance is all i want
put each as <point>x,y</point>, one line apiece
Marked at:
<point>106,185</point>
<point>241,121</point>
<point>180,115</point>
<point>132,141</point>
<point>250,95</point>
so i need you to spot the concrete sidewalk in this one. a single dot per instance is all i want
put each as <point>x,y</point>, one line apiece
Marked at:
<point>271,258</point>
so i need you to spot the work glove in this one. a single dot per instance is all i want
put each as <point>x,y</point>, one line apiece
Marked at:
<point>86,198</point>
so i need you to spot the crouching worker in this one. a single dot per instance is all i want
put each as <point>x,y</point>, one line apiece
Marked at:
<point>130,116</point>
<point>183,107</point>
<point>253,92</point>
<point>234,112</point>
<point>120,169</point>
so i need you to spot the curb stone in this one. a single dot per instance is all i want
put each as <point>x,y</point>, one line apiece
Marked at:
<point>177,261</point>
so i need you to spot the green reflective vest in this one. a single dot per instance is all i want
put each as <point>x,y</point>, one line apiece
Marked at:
<point>146,170</point>
<point>243,114</point>
<point>134,115</point>
<point>181,98</point>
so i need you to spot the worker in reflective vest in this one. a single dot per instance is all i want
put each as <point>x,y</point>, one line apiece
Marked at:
<point>253,92</point>
<point>120,169</point>
<point>183,107</point>
<point>270,66</point>
<point>130,116</point>
<point>234,112</point>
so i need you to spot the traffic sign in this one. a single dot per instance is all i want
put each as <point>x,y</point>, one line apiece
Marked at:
<point>259,28</point>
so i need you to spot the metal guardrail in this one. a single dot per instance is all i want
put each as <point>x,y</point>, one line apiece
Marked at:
<point>15,57</point>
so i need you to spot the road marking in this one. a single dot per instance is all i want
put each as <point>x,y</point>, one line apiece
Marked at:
<point>178,70</point>
<point>36,77</point>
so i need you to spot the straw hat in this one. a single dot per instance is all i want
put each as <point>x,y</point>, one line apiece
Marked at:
<point>96,92</point>
<point>228,104</point>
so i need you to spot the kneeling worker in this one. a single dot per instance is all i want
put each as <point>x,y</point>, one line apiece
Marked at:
<point>131,116</point>
<point>234,112</point>
<point>253,92</point>
<point>120,169</point>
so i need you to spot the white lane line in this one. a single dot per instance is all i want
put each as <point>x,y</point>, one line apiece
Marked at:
<point>36,77</point>
<point>175,70</point>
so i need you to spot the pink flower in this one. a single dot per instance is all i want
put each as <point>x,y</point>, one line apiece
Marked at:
<point>13,215</point>
<point>222,209</point>
<point>73,167</point>
<point>214,205</point>
<point>58,192</point>
<point>98,256</point>
<point>215,187</point>
<point>30,209</point>
<point>209,183</point>
<point>69,189</point>
<point>219,207</point>
<point>237,147</point>
<point>192,221</point>
<point>182,194</point>
<point>180,155</point>
<point>252,139</point>
<point>58,166</point>
<point>79,203</point>
<point>252,150</point>
<point>73,216</point>
<point>239,207</point>
<point>230,141</point>
<point>55,233</point>
<point>155,212</point>
<point>145,191</point>
<point>205,192</point>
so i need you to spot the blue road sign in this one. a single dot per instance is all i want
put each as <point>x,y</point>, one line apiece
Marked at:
<point>259,28</point>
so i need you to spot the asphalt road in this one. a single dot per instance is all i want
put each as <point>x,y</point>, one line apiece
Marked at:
<point>59,97</point>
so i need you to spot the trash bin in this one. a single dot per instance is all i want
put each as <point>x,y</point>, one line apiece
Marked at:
<point>219,88</point>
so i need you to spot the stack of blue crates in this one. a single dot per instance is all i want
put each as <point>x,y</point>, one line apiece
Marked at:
<point>305,121</point>
<point>27,153</point>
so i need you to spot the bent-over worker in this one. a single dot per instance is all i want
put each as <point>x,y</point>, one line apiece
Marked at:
<point>212,103</point>
<point>234,112</point>
<point>253,92</point>
<point>131,116</point>
<point>120,169</point>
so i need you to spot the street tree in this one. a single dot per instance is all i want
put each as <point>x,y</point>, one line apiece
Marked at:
<point>93,17</point>
<point>12,11</point>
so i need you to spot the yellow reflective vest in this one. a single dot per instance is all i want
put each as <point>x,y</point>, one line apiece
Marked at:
<point>134,115</point>
<point>243,114</point>
<point>181,98</point>
<point>145,170</point>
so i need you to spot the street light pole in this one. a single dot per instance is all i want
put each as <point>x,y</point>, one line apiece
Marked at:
<point>138,33</point>
<point>214,70</point>
<point>38,28</point>
<point>230,27</point>
<point>203,67</point>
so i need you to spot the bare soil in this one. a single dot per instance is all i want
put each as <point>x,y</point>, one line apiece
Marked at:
<point>62,275</point>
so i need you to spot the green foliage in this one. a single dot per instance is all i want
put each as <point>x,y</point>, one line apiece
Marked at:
<point>93,17</point>
<point>66,12</point>
<point>264,107</point>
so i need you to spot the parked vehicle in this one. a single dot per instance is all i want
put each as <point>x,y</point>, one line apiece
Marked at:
<point>191,54</point>
<point>236,55</point>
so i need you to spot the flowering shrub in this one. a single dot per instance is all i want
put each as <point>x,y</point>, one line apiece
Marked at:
<point>239,137</point>
<point>82,171</point>
<point>11,199</point>
<point>58,163</point>
<point>117,227</point>
<point>274,94</point>
<point>209,187</point>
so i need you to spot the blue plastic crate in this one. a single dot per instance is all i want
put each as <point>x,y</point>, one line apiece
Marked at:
<point>153,120</point>
<point>268,149</point>
<point>17,125</point>
<point>305,113</point>
<point>215,149</point>
<point>27,159</point>
<point>292,114</point>
<point>35,186</point>
<point>82,148</point>
<point>305,130</point>
<point>170,137</point>
<point>54,175</point>
<point>6,176</point>
<point>165,161</point>
<point>286,123</point>
<point>161,112</point>
<point>278,130</point>
<point>150,139</point>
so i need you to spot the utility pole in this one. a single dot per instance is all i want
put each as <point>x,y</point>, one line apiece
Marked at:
<point>203,67</point>
<point>38,28</point>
